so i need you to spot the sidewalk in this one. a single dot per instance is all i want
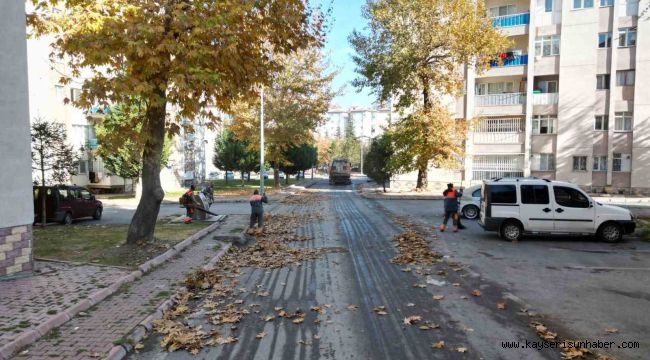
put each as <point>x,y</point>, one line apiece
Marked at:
<point>93,333</point>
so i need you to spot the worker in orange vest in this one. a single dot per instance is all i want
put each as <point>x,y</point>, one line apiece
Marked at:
<point>451,207</point>
<point>188,202</point>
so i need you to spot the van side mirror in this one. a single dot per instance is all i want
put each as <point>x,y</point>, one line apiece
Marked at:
<point>591,204</point>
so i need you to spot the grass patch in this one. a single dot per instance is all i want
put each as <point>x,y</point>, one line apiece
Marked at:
<point>24,324</point>
<point>51,312</point>
<point>105,244</point>
<point>121,341</point>
<point>53,334</point>
<point>643,229</point>
<point>163,294</point>
<point>233,187</point>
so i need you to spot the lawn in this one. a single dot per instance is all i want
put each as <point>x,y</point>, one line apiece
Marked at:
<point>104,244</point>
<point>233,187</point>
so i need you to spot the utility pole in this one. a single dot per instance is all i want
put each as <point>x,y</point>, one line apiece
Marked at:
<point>262,172</point>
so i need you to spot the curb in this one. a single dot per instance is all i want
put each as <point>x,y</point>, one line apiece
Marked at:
<point>401,197</point>
<point>31,336</point>
<point>145,327</point>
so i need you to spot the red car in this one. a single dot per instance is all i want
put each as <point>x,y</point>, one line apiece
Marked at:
<point>65,203</point>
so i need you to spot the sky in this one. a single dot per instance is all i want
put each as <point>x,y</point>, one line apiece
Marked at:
<point>346,17</point>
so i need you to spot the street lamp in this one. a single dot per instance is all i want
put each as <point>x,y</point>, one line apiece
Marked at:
<point>262,140</point>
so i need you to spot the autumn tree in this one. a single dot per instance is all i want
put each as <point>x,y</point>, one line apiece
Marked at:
<point>324,155</point>
<point>172,54</point>
<point>121,153</point>
<point>414,50</point>
<point>294,105</point>
<point>52,157</point>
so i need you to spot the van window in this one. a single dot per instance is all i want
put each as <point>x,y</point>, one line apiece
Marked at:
<point>534,194</point>
<point>570,197</point>
<point>63,194</point>
<point>476,193</point>
<point>503,194</point>
<point>85,194</point>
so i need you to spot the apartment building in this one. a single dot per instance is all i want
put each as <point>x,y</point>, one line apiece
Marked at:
<point>366,122</point>
<point>566,101</point>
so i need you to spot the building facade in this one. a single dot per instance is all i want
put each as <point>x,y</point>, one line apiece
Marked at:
<point>366,122</point>
<point>17,214</point>
<point>566,101</point>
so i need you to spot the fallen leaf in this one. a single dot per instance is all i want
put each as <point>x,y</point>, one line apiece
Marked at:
<point>410,304</point>
<point>305,342</point>
<point>260,335</point>
<point>316,337</point>
<point>298,320</point>
<point>476,292</point>
<point>278,308</point>
<point>463,297</point>
<point>611,330</point>
<point>412,319</point>
<point>501,305</point>
<point>263,293</point>
<point>353,307</point>
<point>461,349</point>
<point>438,297</point>
<point>456,284</point>
<point>438,345</point>
<point>268,318</point>
<point>421,286</point>
<point>408,269</point>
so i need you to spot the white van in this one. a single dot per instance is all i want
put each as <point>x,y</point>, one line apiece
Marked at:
<point>514,207</point>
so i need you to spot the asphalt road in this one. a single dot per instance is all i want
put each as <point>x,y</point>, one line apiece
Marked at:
<point>581,285</point>
<point>361,274</point>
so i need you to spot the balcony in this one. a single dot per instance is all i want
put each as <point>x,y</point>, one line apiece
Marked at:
<point>516,60</point>
<point>511,20</point>
<point>545,99</point>
<point>501,99</point>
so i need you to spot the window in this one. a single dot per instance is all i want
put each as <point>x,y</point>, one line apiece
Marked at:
<point>543,162</point>
<point>626,37</point>
<point>74,94</point>
<point>534,194</point>
<point>502,194</point>
<point>579,163</point>
<point>85,195</point>
<point>547,45</point>
<point>601,122</point>
<point>544,124</point>
<point>548,86</point>
<point>503,10</point>
<point>583,4</point>
<point>621,162</point>
<point>602,82</point>
<point>500,88</point>
<point>569,197</point>
<point>600,163</point>
<point>604,40</point>
<point>58,91</point>
<point>623,121</point>
<point>628,8</point>
<point>548,5</point>
<point>63,194</point>
<point>82,167</point>
<point>625,78</point>
<point>604,3</point>
<point>476,193</point>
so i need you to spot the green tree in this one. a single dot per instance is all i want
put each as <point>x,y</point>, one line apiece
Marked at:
<point>414,50</point>
<point>294,105</point>
<point>52,157</point>
<point>228,152</point>
<point>377,163</point>
<point>299,158</point>
<point>172,54</point>
<point>122,155</point>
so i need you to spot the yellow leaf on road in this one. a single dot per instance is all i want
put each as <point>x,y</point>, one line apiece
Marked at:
<point>438,345</point>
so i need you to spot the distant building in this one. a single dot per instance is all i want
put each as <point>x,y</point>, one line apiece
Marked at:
<point>366,122</point>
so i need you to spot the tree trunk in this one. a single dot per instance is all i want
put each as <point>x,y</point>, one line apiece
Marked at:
<point>43,195</point>
<point>143,222</point>
<point>248,176</point>
<point>383,184</point>
<point>276,177</point>
<point>422,182</point>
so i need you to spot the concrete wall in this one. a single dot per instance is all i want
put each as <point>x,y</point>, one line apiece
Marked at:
<point>641,142</point>
<point>18,213</point>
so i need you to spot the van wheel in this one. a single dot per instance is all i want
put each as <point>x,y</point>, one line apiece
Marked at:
<point>470,212</point>
<point>511,231</point>
<point>67,219</point>
<point>610,232</point>
<point>98,214</point>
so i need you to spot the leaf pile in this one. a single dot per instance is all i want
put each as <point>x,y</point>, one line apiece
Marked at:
<point>303,198</point>
<point>273,254</point>
<point>413,248</point>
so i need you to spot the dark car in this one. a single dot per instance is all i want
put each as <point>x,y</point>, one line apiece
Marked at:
<point>65,203</point>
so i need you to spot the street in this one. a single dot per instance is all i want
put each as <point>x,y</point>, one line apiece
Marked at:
<point>571,289</point>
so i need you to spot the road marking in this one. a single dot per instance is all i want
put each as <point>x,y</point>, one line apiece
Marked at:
<point>607,268</point>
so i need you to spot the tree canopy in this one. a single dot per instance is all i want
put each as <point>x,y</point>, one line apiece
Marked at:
<point>173,54</point>
<point>377,162</point>
<point>415,51</point>
<point>231,154</point>
<point>294,105</point>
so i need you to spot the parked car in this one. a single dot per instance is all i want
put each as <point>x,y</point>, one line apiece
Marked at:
<point>514,207</point>
<point>281,175</point>
<point>470,202</point>
<point>214,175</point>
<point>65,203</point>
<point>229,175</point>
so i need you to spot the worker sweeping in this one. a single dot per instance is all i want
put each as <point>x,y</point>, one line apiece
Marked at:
<point>187,200</point>
<point>451,208</point>
<point>257,212</point>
